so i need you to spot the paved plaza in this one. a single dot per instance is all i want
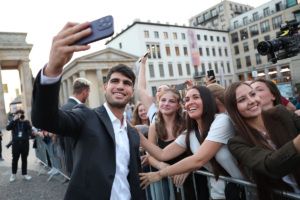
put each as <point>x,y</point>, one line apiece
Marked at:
<point>38,188</point>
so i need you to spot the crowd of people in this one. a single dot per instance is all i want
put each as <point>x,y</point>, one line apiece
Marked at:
<point>246,131</point>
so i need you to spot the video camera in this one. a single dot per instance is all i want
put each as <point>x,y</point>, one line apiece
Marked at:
<point>286,44</point>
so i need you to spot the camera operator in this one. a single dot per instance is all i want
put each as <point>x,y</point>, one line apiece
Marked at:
<point>21,133</point>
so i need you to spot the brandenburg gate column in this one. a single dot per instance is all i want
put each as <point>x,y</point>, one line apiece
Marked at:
<point>100,85</point>
<point>3,118</point>
<point>26,83</point>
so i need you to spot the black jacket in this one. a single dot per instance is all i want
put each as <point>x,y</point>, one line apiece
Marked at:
<point>95,162</point>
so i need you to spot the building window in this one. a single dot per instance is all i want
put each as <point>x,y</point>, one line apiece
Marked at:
<point>154,90</point>
<point>257,58</point>
<point>235,24</point>
<point>245,21</point>
<point>221,7</point>
<point>254,30</point>
<point>171,72</point>
<point>166,36</point>
<point>228,67</point>
<point>278,6</point>
<point>211,38</point>
<point>255,43</point>
<point>267,37</point>
<point>226,52</point>
<point>244,34</point>
<point>168,51</point>
<point>156,35</point>
<point>224,39</point>
<point>234,37</point>
<point>238,63</point>
<point>205,37</point>
<point>265,26</point>
<point>209,66</point>
<point>246,46</point>
<point>158,51</point>
<point>218,39</point>
<point>179,69</point>
<point>255,16</point>
<point>120,45</point>
<point>154,51</point>
<point>207,52</point>
<point>177,51</point>
<point>220,52</point>
<point>151,70</point>
<point>266,12</point>
<point>182,36</point>
<point>185,51</point>
<point>248,61</point>
<point>297,16</point>
<point>188,69</point>
<point>203,67</point>
<point>213,51</point>
<point>216,68</point>
<point>175,36</point>
<point>236,49</point>
<point>290,3</point>
<point>146,34</point>
<point>161,70</point>
<point>198,37</point>
<point>200,51</point>
<point>276,22</point>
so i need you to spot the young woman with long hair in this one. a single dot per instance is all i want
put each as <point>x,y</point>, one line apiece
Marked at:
<point>267,144</point>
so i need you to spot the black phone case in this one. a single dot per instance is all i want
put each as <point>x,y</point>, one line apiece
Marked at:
<point>101,28</point>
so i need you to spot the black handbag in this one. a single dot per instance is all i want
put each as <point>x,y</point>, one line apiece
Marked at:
<point>234,191</point>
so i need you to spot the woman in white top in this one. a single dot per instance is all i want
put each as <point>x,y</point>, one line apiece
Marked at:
<point>211,152</point>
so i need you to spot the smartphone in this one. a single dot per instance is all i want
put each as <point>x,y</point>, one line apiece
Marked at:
<point>101,28</point>
<point>211,73</point>
<point>146,54</point>
<point>180,86</point>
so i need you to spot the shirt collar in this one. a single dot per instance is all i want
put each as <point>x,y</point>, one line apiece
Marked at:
<point>75,99</point>
<point>113,118</point>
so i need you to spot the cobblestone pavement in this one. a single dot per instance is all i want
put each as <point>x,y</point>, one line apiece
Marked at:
<point>38,188</point>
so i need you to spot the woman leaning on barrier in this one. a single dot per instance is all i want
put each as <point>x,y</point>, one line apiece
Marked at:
<point>206,136</point>
<point>267,144</point>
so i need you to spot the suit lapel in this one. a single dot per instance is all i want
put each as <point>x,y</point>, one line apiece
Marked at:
<point>103,116</point>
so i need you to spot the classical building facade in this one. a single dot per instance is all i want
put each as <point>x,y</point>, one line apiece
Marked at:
<point>177,53</point>
<point>93,67</point>
<point>14,54</point>
<point>218,16</point>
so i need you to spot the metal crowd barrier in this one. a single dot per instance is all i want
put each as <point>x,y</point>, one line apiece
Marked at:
<point>250,188</point>
<point>56,156</point>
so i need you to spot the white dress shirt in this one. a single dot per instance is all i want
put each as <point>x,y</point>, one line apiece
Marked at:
<point>120,188</point>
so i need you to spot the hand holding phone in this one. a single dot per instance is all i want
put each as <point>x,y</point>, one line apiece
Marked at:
<point>144,56</point>
<point>101,28</point>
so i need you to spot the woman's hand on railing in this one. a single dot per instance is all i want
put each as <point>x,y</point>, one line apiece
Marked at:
<point>178,180</point>
<point>148,178</point>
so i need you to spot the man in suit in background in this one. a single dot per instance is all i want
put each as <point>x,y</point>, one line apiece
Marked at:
<point>81,91</point>
<point>107,159</point>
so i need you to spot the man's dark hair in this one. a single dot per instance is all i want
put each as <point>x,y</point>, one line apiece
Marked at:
<point>80,84</point>
<point>20,112</point>
<point>122,69</point>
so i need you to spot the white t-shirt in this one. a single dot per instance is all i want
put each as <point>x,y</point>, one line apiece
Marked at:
<point>152,112</point>
<point>221,131</point>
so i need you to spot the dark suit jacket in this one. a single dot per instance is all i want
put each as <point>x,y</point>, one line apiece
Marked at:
<point>95,163</point>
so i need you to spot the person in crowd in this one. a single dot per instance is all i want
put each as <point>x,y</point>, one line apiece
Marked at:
<point>267,143</point>
<point>269,94</point>
<point>1,158</point>
<point>21,133</point>
<point>218,91</point>
<point>206,136</point>
<point>81,91</point>
<point>107,158</point>
<point>129,110</point>
<point>139,116</point>
<point>143,94</point>
<point>169,124</point>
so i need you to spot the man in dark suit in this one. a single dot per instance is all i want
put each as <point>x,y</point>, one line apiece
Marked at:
<point>107,159</point>
<point>81,90</point>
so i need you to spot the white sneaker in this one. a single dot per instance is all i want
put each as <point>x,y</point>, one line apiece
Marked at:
<point>27,177</point>
<point>12,178</point>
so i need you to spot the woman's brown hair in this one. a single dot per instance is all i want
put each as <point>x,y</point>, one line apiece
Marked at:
<point>136,120</point>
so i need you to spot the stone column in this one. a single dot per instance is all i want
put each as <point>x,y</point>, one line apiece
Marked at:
<point>100,85</point>
<point>64,92</point>
<point>82,74</point>
<point>3,117</point>
<point>69,87</point>
<point>26,84</point>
